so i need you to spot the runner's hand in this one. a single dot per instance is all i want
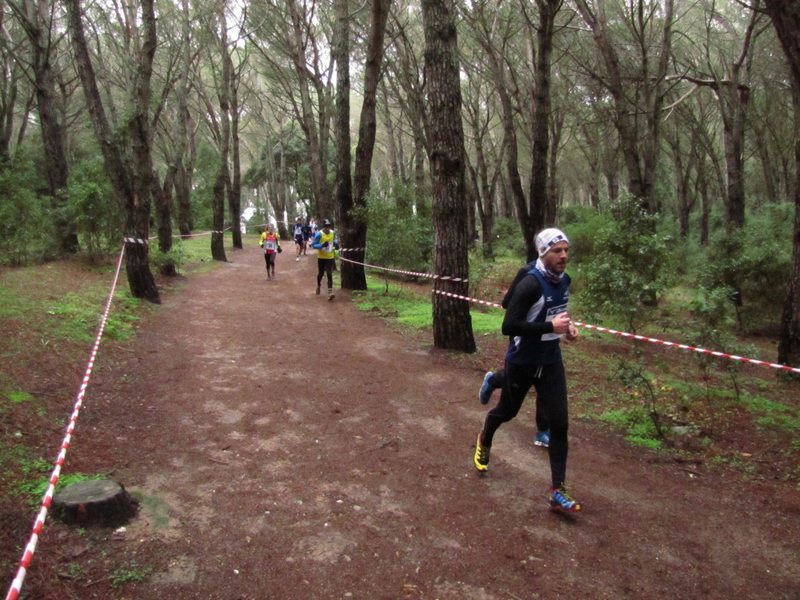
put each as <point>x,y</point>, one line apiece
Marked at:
<point>561,323</point>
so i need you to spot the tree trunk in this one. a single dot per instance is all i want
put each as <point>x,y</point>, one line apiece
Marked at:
<point>785,15</point>
<point>542,206</point>
<point>353,227</point>
<point>637,111</point>
<point>95,501</point>
<point>141,143</point>
<point>222,181</point>
<point>163,202</point>
<point>343,189</point>
<point>452,323</point>
<point>235,194</point>
<point>511,149</point>
<point>308,123</point>
<point>553,189</point>
<point>218,216</point>
<point>35,17</point>
<point>132,186</point>
<point>184,136</point>
<point>734,112</point>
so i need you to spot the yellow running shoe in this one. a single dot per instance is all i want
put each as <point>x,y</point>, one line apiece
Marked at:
<point>481,455</point>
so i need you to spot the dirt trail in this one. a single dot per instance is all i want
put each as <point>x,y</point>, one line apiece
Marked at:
<point>287,447</point>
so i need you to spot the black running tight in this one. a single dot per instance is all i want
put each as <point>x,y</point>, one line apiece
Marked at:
<point>551,403</point>
<point>325,267</point>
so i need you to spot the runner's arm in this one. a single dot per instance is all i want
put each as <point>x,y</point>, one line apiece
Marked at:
<point>526,293</point>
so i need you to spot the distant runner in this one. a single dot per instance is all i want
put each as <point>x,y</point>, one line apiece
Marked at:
<point>297,233</point>
<point>272,247</point>
<point>325,243</point>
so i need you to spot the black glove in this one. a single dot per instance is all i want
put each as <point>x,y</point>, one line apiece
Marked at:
<point>280,249</point>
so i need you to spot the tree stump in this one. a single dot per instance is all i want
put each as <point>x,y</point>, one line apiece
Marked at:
<point>95,501</point>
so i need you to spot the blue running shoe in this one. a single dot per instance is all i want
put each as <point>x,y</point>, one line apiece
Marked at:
<point>560,501</point>
<point>542,439</point>
<point>485,393</point>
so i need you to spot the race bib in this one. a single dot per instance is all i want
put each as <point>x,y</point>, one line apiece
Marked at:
<point>551,314</point>
<point>270,245</point>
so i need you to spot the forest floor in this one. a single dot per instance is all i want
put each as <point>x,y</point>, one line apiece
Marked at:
<point>287,447</point>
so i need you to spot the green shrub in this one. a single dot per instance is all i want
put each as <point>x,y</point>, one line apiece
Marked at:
<point>623,274</point>
<point>176,256</point>
<point>583,226</point>
<point>754,262</point>
<point>508,239</point>
<point>396,238</point>
<point>26,218</point>
<point>94,209</point>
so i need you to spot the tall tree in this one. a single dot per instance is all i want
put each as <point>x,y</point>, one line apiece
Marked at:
<point>352,224</point>
<point>730,81</point>
<point>129,168</point>
<point>315,131</point>
<point>343,188</point>
<point>638,88</point>
<point>494,34</point>
<point>785,16</point>
<point>543,203</point>
<point>452,323</point>
<point>36,17</point>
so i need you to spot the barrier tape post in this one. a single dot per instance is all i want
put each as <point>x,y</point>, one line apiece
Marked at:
<point>30,548</point>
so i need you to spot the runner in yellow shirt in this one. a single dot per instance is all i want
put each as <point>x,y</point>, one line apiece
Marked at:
<point>325,243</point>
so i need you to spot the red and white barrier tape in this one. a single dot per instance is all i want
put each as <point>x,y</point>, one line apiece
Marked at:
<point>645,339</point>
<point>130,240</point>
<point>352,250</point>
<point>692,348</point>
<point>27,556</point>
<point>177,235</point>
<point>427,275</point>
<point>466,298</point>
<point>201,233</point>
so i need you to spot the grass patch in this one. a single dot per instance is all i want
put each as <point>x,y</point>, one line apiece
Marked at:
<point>33,300</point>
<point>639,428</point>
<point>19,396</point>
<point>128,574</point>
<point>405,304</point>
<point>37,479</point>
<point>76,317</point>
<point>773,414</point>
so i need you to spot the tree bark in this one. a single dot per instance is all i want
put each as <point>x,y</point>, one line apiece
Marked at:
<point>308,123</point>
<point>35,17</point>
<point>222,181</point>
<point>132,185</point>
<point>638,111</point>
<point>543,207</point>
<point>785,15</point>
<point>235,193</point>
<point>352,225</point>
<point>343,189</point>
<point>162,198</point>
<point>184,136</point>
<point>452,323</point>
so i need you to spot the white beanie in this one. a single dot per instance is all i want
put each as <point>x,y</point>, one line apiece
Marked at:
<point>547,238</point>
